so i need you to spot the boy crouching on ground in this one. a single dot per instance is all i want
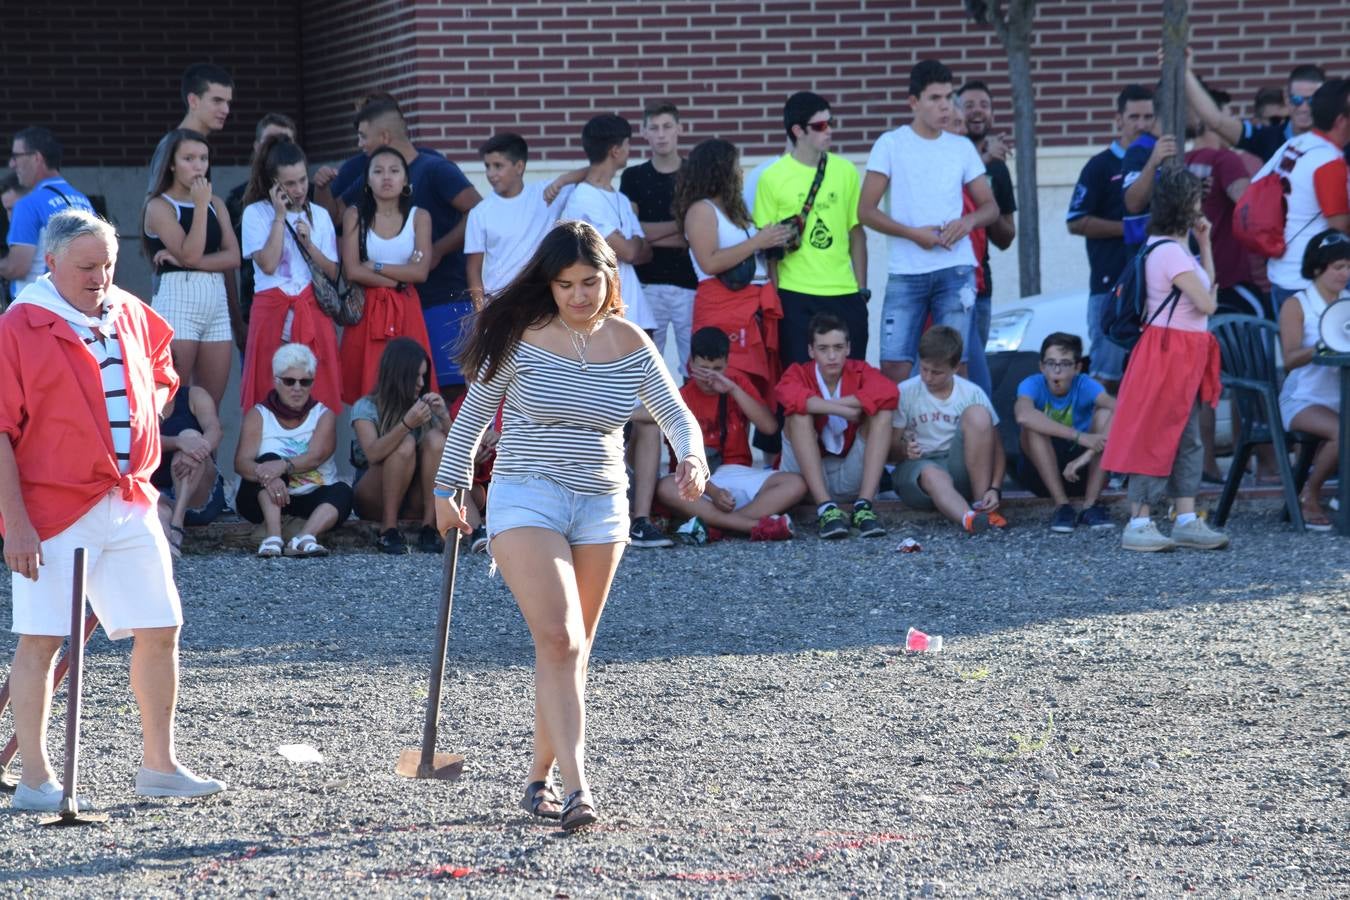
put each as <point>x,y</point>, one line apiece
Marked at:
<point>838,428</point>
<point>946,439</point>
<point>1064,417</point>
<point>739,497</point>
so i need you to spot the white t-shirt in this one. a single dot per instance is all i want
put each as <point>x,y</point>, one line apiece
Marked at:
<point>507,231</point>
<point>292,272</point>
<point>1301,159</point>
<point>926,178</point>
<point>936,422</point>
<point>611,211</point>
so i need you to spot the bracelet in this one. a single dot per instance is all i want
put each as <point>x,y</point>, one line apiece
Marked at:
<point>404,423</point>
<point>996,491</point>
<point>290,467</point>
<point>443,493</point>
<point>1077,435</point>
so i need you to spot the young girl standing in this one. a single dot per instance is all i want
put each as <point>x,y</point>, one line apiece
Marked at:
<point>281,227</point>
<point>386,248</point>
<point>190,242</point>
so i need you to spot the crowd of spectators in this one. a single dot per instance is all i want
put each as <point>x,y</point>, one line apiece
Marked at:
<point>760,284</point>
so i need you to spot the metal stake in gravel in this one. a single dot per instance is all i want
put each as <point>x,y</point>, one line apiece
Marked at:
<point>426,762</point>
<point>9,780</point>
<point>70,808</point>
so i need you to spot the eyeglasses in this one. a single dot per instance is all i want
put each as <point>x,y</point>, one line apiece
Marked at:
<point>1059,365</point>
<point>821,126</point>
<point>292,382</point>
<point>1298,99</point>
<point>1333,239</point>
<point>15,157</point>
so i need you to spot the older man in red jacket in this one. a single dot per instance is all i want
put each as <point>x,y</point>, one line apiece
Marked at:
<point>838,428</point>
<point>87,370</point>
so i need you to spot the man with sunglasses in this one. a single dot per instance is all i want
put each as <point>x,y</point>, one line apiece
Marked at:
<point>826,272</point>
<point>1313,169</point>
<point>1255,135</point>
<point>35,157</point>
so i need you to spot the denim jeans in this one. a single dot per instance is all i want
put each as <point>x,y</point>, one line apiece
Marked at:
<point>1108,360</point>
<point>947,294</point>
<point>976,337</point>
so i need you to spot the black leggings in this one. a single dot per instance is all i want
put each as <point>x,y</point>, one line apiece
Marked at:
<point>338,495</point>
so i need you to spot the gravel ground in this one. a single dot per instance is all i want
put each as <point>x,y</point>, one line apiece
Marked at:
<point>1099,723</point>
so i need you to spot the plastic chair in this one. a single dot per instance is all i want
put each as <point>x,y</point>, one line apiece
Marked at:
<point>1249,368</point>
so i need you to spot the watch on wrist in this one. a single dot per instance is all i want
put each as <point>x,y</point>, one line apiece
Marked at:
<point>379,267</point>
<point>865,294</point>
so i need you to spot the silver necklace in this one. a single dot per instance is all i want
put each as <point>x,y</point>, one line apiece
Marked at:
<point>579,343</point>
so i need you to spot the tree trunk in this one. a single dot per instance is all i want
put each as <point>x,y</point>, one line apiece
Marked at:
<point>1172,93</point>
<point>1024,134</point>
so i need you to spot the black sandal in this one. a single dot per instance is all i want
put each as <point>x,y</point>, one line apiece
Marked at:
<point>537,793</point>
<point>578,811</point>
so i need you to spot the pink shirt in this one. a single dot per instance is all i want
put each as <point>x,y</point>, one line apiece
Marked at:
<point>1164,264</point>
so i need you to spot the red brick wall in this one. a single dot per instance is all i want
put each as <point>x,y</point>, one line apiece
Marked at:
<point>467,68</point>
<point>104,74</point>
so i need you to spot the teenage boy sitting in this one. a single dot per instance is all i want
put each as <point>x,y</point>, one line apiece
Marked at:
<point>1064,416</point>
<point>739,497</point>
<point>837,428</point>
<point>505,229</point>
<point>946,440</point>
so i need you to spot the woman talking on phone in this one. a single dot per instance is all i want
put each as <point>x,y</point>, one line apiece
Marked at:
<point>555,347</point>
<point>280,229</point>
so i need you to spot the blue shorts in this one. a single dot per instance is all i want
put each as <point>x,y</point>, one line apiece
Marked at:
<point>533,501</point>
<point>444,323</point>
<point>1107,361</point>
<point>948,294</point>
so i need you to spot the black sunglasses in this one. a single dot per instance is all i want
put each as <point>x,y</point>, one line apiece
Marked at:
<point>292,382</point>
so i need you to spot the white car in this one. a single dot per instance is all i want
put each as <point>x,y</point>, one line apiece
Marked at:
<point>1020,325</point>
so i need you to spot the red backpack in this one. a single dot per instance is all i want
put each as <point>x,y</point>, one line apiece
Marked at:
<point>1258,216</point>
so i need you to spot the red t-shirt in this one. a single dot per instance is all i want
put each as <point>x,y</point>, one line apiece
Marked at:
<point>1219,169</point>
<point>736,448</point>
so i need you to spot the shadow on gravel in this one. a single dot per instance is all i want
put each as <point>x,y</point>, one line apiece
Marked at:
<point>738,598</point>
<point>168,860</point>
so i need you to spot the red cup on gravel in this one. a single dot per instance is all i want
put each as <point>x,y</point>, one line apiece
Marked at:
<point>918,642</point>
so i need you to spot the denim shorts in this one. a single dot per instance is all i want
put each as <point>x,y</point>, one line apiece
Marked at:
<point>948,294</point>
<point>532,501</point>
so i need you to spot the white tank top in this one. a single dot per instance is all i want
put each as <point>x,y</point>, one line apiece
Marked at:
<point>1309,384</point>
<point>289,442</point>
<point>729,234</point>
<point>393,251</point>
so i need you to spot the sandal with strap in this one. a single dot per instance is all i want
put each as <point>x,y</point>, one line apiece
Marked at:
<point>270,548</point>
<point>304,545</point>
<point>541,800</point>
<point>578,811</point>
<point>175,536</point>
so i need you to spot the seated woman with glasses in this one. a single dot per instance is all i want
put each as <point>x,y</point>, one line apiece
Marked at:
<point>1310,398</point>
<point>1064,417</point>
<point>285,459</point>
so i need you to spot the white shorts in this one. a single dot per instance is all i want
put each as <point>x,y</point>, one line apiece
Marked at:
<point>195,306</point>
<point>130,574</point>
<point>742,482</point>
<point>843,474</point>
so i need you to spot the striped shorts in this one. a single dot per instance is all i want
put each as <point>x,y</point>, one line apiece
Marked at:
<point>194,305</point>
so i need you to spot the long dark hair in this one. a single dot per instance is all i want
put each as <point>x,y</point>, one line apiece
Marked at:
<point>164,176</point>
<point>277,151</point>
<point>528,300</point>
<point>365,206</point>
<point>712,172</point>
<point>396,387</point>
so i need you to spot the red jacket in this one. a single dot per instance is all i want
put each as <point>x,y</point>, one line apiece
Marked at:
<point>876,391</point>
<point>52,409</point>
<point>750,319</point>
<point>736,448</point>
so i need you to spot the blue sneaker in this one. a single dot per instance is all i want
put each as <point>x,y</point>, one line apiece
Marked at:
<point>1096,517</point>
<point>1062,521</point>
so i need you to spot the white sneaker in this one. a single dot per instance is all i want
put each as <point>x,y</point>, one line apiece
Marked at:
<point>1197,535</point>
<point>44,798</point>
<point>1146,538</point>
<point>182,783</point>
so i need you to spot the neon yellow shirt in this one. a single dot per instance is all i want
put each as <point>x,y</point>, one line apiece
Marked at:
<point>821,266</point>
